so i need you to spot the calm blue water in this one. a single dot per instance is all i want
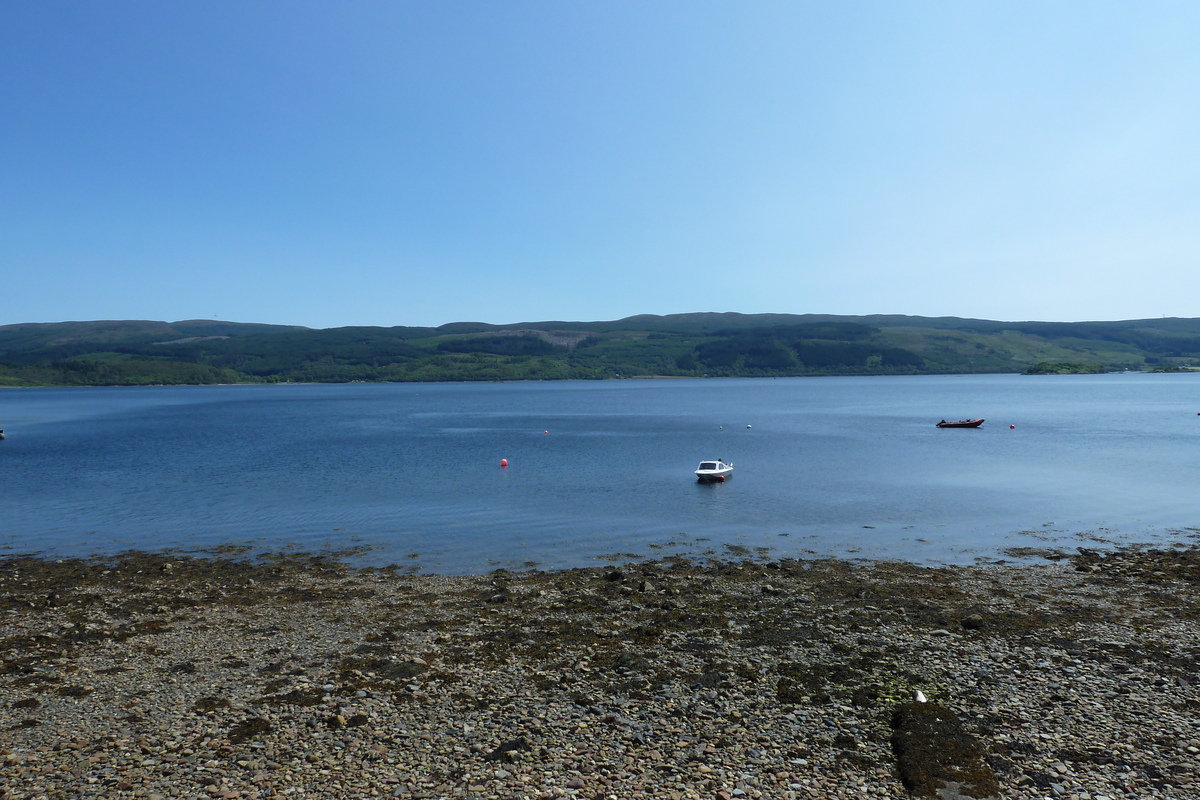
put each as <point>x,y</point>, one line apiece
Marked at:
<point>602,471</point>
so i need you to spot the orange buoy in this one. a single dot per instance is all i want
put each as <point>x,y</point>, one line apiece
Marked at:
<point>504,462</point>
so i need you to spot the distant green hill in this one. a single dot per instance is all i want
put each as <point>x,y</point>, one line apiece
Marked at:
<point>686,345</point>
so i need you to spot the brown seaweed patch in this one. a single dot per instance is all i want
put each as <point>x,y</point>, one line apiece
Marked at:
<point>296,697</point>
<point>812,682</point>
<point>384,668</point>
<point>1150,566</point>
<point>506,750</point>
<point>248,730</point>
<point>207,705</point>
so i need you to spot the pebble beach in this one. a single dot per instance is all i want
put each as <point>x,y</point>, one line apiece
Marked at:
<point>223,676</point>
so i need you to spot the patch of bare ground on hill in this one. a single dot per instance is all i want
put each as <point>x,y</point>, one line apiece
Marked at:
<point>163,676</point>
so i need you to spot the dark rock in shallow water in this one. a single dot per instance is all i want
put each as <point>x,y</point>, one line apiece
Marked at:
<point>936,756</point>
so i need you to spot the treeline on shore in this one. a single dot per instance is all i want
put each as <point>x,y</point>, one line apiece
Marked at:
<point>682,345</point>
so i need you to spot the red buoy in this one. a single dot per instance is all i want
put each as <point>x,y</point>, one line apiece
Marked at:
<point>1010,427</point>
<point>504,462</point>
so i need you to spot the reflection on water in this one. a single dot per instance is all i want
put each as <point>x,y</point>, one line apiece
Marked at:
<point>603,471</point>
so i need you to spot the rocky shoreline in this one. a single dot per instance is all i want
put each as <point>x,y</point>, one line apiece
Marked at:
<point>165,676</point>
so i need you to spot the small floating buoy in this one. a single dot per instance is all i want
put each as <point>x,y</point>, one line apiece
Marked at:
<point>504,462</point>
<point>749,426</point>
<point>545,431</point>
<point>1011,427</point>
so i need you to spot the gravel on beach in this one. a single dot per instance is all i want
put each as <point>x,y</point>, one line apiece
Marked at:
<point>170,676</point>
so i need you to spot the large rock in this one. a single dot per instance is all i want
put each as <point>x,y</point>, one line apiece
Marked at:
<point>937,757</point>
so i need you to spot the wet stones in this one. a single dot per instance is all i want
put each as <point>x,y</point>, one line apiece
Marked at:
<point>684,680</point>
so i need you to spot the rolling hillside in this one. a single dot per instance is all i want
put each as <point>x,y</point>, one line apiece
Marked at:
<point>683,345</point>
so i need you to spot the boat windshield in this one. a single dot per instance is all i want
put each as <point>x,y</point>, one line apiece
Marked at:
<point>708,465</point>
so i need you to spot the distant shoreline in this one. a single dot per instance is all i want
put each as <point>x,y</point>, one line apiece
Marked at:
<point>190,352</point>
<point>1183,371</point>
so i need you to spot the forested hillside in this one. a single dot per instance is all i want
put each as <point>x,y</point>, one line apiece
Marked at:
<point>682,345</point>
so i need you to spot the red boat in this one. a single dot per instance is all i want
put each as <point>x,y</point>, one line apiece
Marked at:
<point>962,423</point>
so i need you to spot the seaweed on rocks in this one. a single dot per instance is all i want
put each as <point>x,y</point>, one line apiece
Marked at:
<point>257,675</point>
<point>249,729</point>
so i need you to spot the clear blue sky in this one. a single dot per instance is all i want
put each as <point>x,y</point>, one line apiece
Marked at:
<point>416,163</point>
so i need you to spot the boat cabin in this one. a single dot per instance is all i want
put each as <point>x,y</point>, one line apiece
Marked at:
<point>714,470</point>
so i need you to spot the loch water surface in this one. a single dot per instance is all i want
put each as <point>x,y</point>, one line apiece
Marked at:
<point>600,472</point>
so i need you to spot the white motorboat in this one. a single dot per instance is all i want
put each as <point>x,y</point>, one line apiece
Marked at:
<point>717,470</point>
